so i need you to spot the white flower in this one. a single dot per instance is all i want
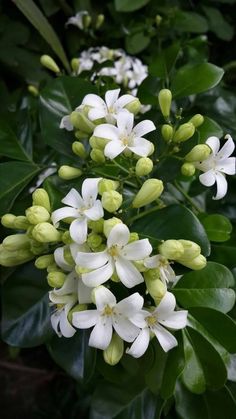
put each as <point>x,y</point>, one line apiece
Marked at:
<point>167,274</point>
<point>137,74</point>
<point>65,123</point>
<point>85,62</point>
<point>217,165</point>
<point>118,257</point>
<point>81,208</point>
<point>109,108</point>
<point>78,19</point>
<point>153,322</point>
<point>126,136</point>
<point>109,315</point>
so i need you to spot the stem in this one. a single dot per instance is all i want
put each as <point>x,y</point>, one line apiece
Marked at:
<point>142,214</point>
<point>187,197</point>
<point>121,167</point>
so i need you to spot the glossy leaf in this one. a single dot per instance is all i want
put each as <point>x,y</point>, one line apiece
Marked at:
<point>218,24</point>
<point>190,22</point>
<point>9,143</point>
<point>193,375</point>
<point>189,405</point>
<point>129,5</point>
<point>163,63</point>
<point>209,128</point>
<point>137,42</point>
<point>218,227</point>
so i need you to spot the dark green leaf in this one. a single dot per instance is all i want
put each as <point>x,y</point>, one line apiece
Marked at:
<point>209,128</point>
<point>193,375</point>
<point>9,144</point>
<point>189,405</point>
<point>190,22</point>
<point>163,63</point>
<point>224,254</point>
<point>221,403</point>
<point>136,42</point>
<point>129,5</point>
<point>218,24</point>
<point>218,227</point>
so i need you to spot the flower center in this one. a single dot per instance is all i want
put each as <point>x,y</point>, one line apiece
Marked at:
<point>108,311</point>
<point>113,250</point>
<point>151,320</point>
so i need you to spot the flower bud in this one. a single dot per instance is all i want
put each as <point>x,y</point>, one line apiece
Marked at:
<point>68,256</point>
<point>42,262</point>
<point>56,279</point>
<point>152,149</point>
<point>152,274</point>
<point>184,132</point>
<point>37,214</point>
<point>98,142</point>
<point>167,132</point>
<point>21,222</point>
<point>114,351</point>
<point>96,226</point>
<point>80,135</point>
<point>109,224</point>
<point>66,238</point>
<point>87,21</point>
<point>139,264</point>
<point>133,237</point>
<point>143,166</point>
<point>111,200</point>
<point>165,98</point>
<point>94,241</point>
<point>69,172</point>
<point>134,106</point>
<point>52,268</point>
<point>79,149</point>
<point>75,64</point>
<point>49,63</point>
<point>41,197</point>
<point>158,20</point>
<point>188,169</point>
<point>156,288</point>
<point>37,248</point>
<point>46,233</point>
<point>171,249</point>
<point>97,156</point>
<point>197,120</point>
<point>81,122</point>
<point>106,185</point>
<point>198,153</point>
<point>33,90</point>
<point>99,21</point>
<point>191,249</point>
<point>10,258</point>
<point>149,192</point>
<point>75,309</point>
<point>8,220</point>
<point>16,241</point>
<point>199,262</point>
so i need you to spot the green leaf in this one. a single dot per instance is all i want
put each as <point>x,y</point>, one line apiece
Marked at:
<point>137,42</point>
<point>193,375</point>
<point>9,144</point>
<point>165,224</point>
<point>190,22</point>
<point>74,355</point>
<point>209,128</point>
<point>129,5</point>
<point>221,403</point>
<point>208,287</point>
<point>25,308</point>
<point>38,20</point>
<point>224,254</point>
<point>195,79</point>
<point>189,405</point>
<point>58,99</point>
<point>218,24</point>
<point>162,64</point>
<point>218,227</point>
<point>14,177</point>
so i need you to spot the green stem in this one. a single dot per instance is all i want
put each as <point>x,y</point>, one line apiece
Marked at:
<point>143,214</point>
<point>121,167</point>
<point>187,197</point>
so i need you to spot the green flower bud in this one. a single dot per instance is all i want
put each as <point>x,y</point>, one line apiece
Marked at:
<point>42,262</point>
<point>68,256</point>
<point>37,248</point>
<point>16,241</point>
<point>156,288</point>
<point>167,132</point>
<point>197,120</point>
<point>33,90</point>
<point>143,166</point>
<point>171,249</point>
<point>99,21</point>
<point>75,309</point>
<point>21,222</point>
<point>10,258</point>
<point>37,214</point>
<point>133,237</point>
<point>152,274</point>
<point>66,238</point>
<point>158,20</point>
<point>79,149</point>
<point>41,197</point>
<point>139,264</point>
<point>97,156</point>
<point>81,122</point>
<point>96,226</point>
<point>184,132</point>
<point>80,135</point>
<point>52,268</point>
<point>191,249</point>
<point>46,233</point>
<point>198,153</point>
<point>188,169</point>
<point>49,63</point>
<point>109,224</point>
<point>149,192</point>
<point>111,200</point>
<point>8,220</point>
<point>69,172</point>
<point>106,185</point>
<point>196,264</point>
<point>98,142</point>
<point>75,64</point>
<point>56,279</point>
<point>94,241</point>
<point>115,350</point>
<point>134,106</point>
<point>87,21</point>
<point>165,98</point>
<point>29,231</point>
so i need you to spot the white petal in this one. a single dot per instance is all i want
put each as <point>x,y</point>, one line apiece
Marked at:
<point>75,248</point>
<point>214,144</point>
<point>125,329</point>
<point>137,250</point>
<point>101,334</point>
<point>69,287</point>
<point>128,274</point>
<point>119,235</point>
<point>90,190</point>
<point>227,148</point>
<point>226,166</point>
<point>111,97</point>
<point>103,296</point>
<point>222,186</point>
<point>139,319</point>
<point>85,319</point>
<point>79,230</point>
<point>165,338</point>
<point>84,293</point>
<point>166,306</point>
<point>113,149</point>
<point>140,345</point>
<point>94,100</point>
<point>62,213</point>
<point>67,330</point>
<point>55,320</point>
<point>60,260</point>
<point>151,262</point>
<point>141,147</point>
<point>208,178</point>
<point>125,122</point>
<point>65,123</point>
<point>130,305</point>
<point>123,101</point>
<point>92,260</point>
<point>73,199</point>
<point>107,131</point>
<point>144,127</point>
<point>176,320</point>
<point>98,276</point>
<point>96,212</point>
<point>96,113</point>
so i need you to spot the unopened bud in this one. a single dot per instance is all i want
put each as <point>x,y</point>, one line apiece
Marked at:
<point>133,237</point>
<point>149,192</point>
<point>143,166</point>
<point>49,63</point>
<point>111,200</point>
<point>191,249</point>
<point>33,90</point>
<point>96,226</point>
<point>97,156</point>
<point>197,120</point>
<point>106,185</point>
<point>156,288</point>
<point>56,279</point>
<point>171,249</point>
<point>184,132</point>
<point>16,241</point>
<point>80,135</point>
<point>134,106</point>
<point>10,258</point>
<point>52,268</point>
<point>167,132</point>
<point>115,350</point>
<point>94,241</point>
<point>87,21</point>
<point>158,20</point>
<point>139,264</point>
<point>21,222</point>
<point>66,238</point>
<point>37,214</point>
<point>196,264</point>
<point>37,248</point>
<point>99,21</point>
<point>75,64</point>
<point>42,262</point>
<point>69,172</point>
<point>46,233</point>
<point>109,224</point>
<point>8,220</point>
<point>165,98</point>
<point>79,149</point>
<point>41,197</point>
<point>75,309</point>
<point>68,256</point>
<point>98,142</point>
<point>188,169</point>
<point>81,122</point>
<point>152,274</point>
<point>198,153</point>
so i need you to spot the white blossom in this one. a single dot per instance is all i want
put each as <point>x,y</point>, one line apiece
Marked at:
<point>159,262</point>
<point>78,19</point>
<point>137,74</point>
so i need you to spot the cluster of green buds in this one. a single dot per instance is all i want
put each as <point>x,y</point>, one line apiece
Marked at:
<point>198,154</point>
<point>185,252</point>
